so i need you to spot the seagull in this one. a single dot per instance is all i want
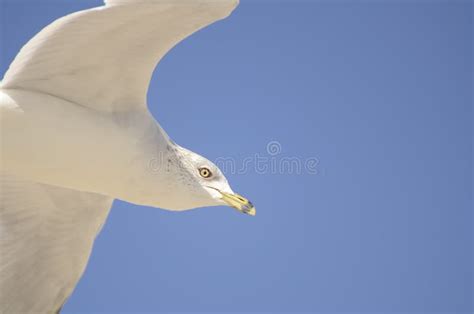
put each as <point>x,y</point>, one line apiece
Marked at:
<point>76,134</point>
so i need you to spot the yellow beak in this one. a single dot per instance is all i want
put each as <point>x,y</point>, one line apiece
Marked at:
<point>240,203</point>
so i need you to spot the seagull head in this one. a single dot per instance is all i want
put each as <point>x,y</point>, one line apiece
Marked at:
<point>202,183</point>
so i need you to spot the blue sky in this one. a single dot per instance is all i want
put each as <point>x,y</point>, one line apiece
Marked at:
<point>377,94</point>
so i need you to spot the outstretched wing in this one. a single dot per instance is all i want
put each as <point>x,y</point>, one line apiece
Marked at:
<point>46,237</point>
<point>104,57</point>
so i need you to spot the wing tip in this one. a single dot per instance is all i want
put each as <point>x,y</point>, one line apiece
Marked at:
<point>229,5</point>
<point>234,3</point>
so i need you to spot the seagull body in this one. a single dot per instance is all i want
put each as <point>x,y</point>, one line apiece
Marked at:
<point>129,145</point>
<point>76,133</point>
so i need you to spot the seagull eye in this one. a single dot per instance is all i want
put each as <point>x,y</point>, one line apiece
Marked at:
<point>205,172</point>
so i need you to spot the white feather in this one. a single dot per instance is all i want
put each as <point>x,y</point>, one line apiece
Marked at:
<point>99,59</point>
<point>103,58</point>
<point>46,236</point>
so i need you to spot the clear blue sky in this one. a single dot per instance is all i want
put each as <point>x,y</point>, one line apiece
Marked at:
<point>379,92</point>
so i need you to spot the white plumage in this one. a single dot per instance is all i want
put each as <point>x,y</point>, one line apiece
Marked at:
<point>76,133</point>
<point>46,238</point>
<point>103,58</point>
